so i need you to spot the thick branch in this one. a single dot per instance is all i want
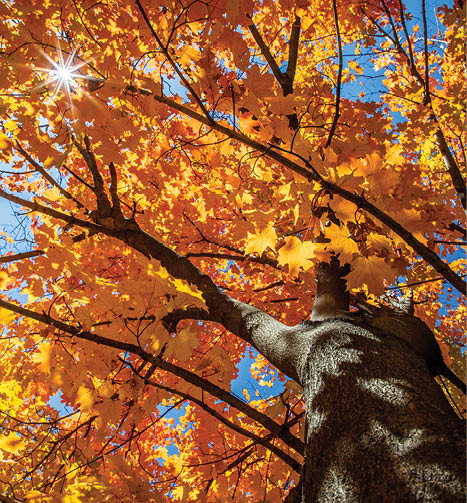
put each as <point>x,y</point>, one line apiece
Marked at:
<point>293,50</point>
<point>332,298</point>
<point>103,204</point>
<point>239,429</point>
<point>286,79</point>
<point>269,336</point>
<point>454,171</point>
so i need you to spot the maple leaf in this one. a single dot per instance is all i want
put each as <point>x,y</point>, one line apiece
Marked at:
<point>258,242</point>
<point>372,272</point>
<point>12,443</point>
<point>342,242</point>
<point>296,254</point>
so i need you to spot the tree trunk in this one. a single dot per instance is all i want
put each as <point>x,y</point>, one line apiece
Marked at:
<point>378,427</point>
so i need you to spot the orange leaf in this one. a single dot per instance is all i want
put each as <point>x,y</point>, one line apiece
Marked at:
<point>296,254</point>
<point>371,271</point>
<point>261,240</point>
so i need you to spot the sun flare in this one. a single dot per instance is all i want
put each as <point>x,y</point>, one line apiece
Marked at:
<point>63,73</point>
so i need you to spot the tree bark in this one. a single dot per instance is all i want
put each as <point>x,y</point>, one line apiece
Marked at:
<point>378,427</point>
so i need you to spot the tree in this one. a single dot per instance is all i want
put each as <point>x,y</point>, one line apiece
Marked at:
<point>182,172</point>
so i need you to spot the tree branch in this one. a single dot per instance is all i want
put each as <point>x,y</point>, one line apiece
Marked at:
<point>451,164</point>
<point>103,204</point>
<point>339,76</point>
<point>172,62</point>
<point>40,169</point>
<point>20,256</point>
<point>295,465</point>
<point>286,79</point>
<point>293,50</point>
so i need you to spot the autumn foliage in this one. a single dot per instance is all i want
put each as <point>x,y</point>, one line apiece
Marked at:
<point>255,140</point>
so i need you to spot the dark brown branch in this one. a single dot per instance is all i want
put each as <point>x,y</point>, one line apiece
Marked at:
<point>293,50</point>
<point>103,204</point>
<point>451,164</point>
<point>286,79</point>
<point>172,62</point>
<point>280,77</point>
<point>339,76</point>
<point>180,267</point>
<point>410,285</point>
<point>116,208</point>
<point>426,98</point>
<point>20,256</point>
<point>311,174</point>
<point>32,205</point>
<point>457,228</point>
<point>237,258</point>
<point>404,26</point>
<point>454,171</point>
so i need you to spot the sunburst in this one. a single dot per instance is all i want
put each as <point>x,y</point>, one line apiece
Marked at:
<point>64,74</point>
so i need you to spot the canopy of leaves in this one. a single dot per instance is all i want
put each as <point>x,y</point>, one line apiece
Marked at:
<point>254,139</point>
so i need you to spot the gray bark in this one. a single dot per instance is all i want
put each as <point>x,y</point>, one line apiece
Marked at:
<point>378,427</point>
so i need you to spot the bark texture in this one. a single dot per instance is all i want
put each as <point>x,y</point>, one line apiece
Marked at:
<point>378,427</point>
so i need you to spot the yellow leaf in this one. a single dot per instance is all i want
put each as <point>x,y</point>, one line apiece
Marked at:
<point>43,357</point>
<point>85,397</point>
<point>342,242</point>
<point>343,209</point>
<point>11,443</point>
<point>52,194</point>
<point>378,242</point>
<point>181,346</point>
<point>296,254</point>
<point>4,279</point>
<point>260,241</point>
<point>5,142</point>
<point>6,317</point>
<point>371,271</point>
<point>185,287</point>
